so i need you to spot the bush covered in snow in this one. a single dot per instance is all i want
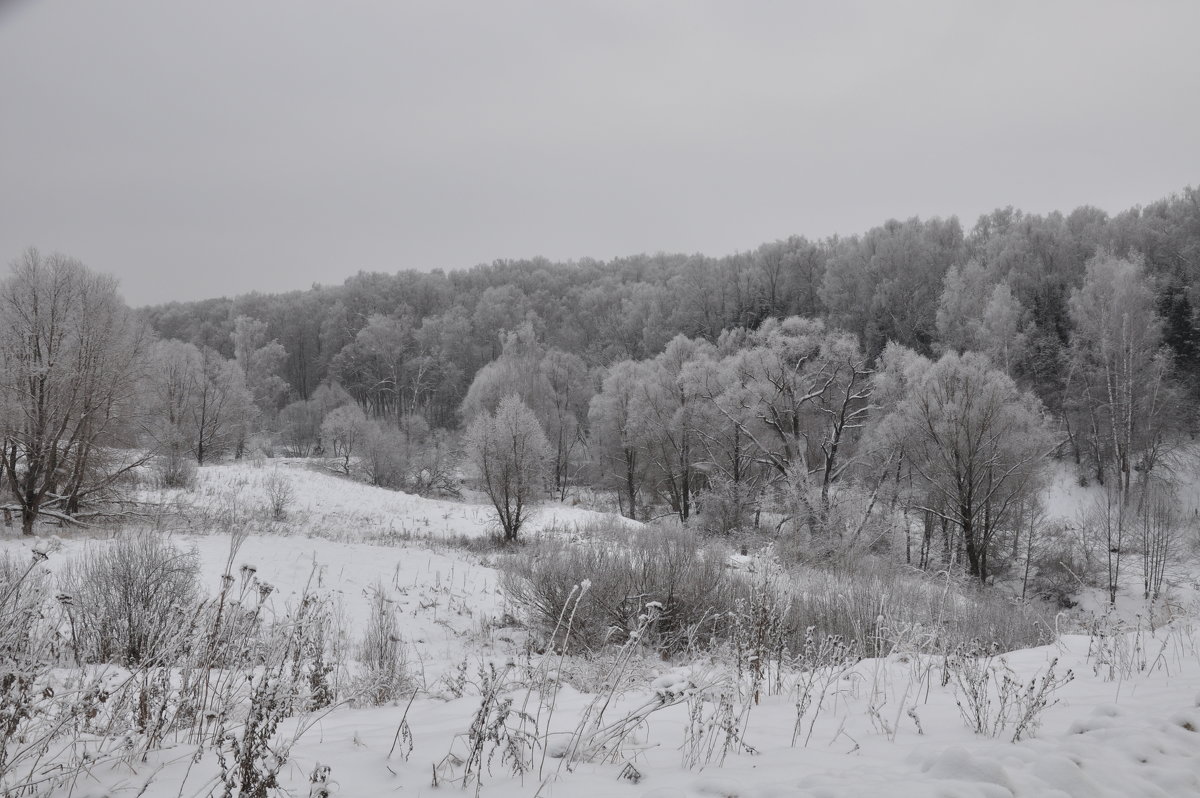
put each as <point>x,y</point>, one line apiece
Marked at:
<point>704,601</point>
<point>127,598</point>
<point>625,570</point>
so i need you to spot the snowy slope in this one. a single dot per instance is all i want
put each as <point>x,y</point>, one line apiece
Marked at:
<point>327,505</point>
<point>1126,725</point>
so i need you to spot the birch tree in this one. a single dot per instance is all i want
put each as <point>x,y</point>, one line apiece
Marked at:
<point>1120,369</point>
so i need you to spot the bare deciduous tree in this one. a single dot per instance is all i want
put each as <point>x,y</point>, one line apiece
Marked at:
<point>1159,527</point>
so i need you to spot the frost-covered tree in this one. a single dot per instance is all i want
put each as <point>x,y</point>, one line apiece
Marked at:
<point>618,430</point>
<point>885,285</point>
<point>261,361</point>
<point>510,453</point>
<point>975,315</point>
<point>499,309</point>
<point>1120,387</point>
<point>223,406</point>
<point>666,403</point>
<point>300,428</point>
<point>300,422</point>
<point>732,466</point>
<point>798,393</point>
<point>555,385</point>
<point>344,431</point>
<point>379,366</point>
<point>974,439</point>
<point>445,341</point>
<point>516,371</point>
<point>70,357</point>
<point>570,385</point>
<point>960,307</point>
<point>1003,329</point>
<point>198,401</point>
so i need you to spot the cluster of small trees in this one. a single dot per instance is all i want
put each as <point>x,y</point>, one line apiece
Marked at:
<point>792,419</point>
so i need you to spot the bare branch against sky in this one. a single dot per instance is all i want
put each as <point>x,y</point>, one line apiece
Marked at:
<point>207,148</point>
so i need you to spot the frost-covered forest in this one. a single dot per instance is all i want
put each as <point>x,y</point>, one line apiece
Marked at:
<point>915,509</point>
<point>793,380</point>
<point>778,381</point>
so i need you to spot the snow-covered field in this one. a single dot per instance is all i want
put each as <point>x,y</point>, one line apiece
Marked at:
<point>326,505</point>
<point>1127,724</point>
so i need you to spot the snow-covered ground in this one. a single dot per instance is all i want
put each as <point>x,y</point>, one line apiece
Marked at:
<point>326,505</point>
<point>1127,724</point>
<point>1064,496</point>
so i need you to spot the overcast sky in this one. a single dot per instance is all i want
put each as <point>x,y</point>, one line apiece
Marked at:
<point>200,149</point>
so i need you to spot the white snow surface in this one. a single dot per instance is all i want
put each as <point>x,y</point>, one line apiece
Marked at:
<point>330,506</point>
<point>1117,732</point>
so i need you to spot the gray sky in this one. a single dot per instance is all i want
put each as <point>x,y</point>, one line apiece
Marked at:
<point>196,149</point>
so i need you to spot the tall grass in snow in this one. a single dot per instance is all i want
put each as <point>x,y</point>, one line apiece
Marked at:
<point>127,658</point>
<point>703,602</point>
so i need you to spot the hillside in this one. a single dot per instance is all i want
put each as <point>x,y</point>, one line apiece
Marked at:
<point>625,722</point>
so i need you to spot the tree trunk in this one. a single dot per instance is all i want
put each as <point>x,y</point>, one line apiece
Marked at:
<point>631,483</point>
<point>976,564</point>
<point>685,481</point>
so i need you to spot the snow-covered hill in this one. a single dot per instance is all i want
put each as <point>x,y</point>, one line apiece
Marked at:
<point>326,505</point>
<point>1126,724</point>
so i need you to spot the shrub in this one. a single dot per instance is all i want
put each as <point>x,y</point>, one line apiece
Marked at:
<point>884,608</point>
<point>385,457</point>
<point>728,506</point>
<point>30,711</point>
<point>343,433</point>
<point>874,608</point>
<point>300,428</point>
<point>1057,571</point>
<point>280,494</point>
<point>175,469</point>
<point>126,598</point>
<point>216,673</point>
<point>259,446</point>
<point>381,652</point>
<point>408,458</point>
<point>991,698</point>
<point>23,588</point>
<point>627,571</point>
<point>434,470</point>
